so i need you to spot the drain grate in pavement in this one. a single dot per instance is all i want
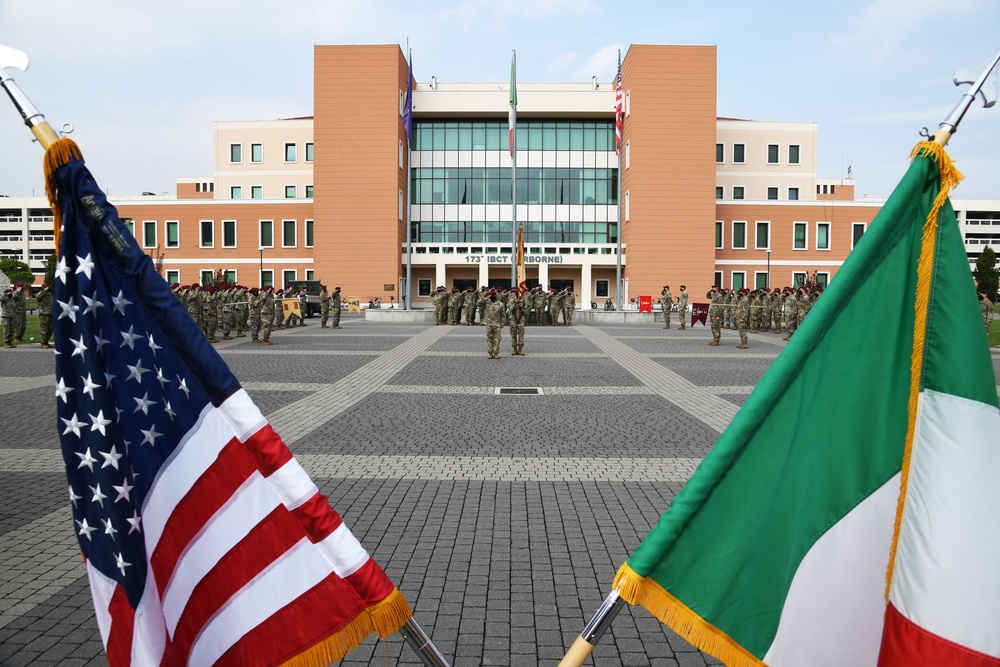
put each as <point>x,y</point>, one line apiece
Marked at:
<point>522,391</point>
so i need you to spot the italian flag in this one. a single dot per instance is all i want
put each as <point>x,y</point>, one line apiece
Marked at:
<point>512,114</point>
<point>850,513</point>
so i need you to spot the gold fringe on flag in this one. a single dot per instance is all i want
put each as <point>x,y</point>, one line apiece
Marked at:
<point>681,619</point>
<point>949,177</point>
<point>384,618</point>
<point>58,155</point>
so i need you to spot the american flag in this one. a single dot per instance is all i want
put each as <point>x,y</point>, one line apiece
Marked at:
<point>618,107</point>
<point>205,541</point>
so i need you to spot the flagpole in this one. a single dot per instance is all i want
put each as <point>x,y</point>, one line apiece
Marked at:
<point>422,645</point>
<point>33,118</point>
<point>949,125</point>
<point>594,630</point>
<point>513,167</point>
<point>619,113</point>
<point>409,155</point>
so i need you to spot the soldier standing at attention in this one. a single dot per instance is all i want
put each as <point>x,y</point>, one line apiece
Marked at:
<point>791,312</point>
<point>303,306</point>
<point>742,317</point>
<point>538,302</point>
<point>20,311</point>
<point>444,303</point>
<point>227,312</point>
<point>569,305</point>
<point>439,296</point>
<point>805,303</point>
<point>715,314</point>
<point>7,317</point>
<point>517,316</point>
<point>324,307</point>
<point>267,308</point>
<point>253,314</point>
<point>469,305</point>
<point>455,306</point>
<point>682,304</point>
<point>494,316</point>
<point>240,310</point>
<point>555,306</point>
<point>211,316</point>
<point>987,308</point>
<point>44,299</point>
<point>335,302</point>
<point>667,303</point>
<point>481,298</point>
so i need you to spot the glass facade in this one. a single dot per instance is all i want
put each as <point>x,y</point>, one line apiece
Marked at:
<point>500,232</point>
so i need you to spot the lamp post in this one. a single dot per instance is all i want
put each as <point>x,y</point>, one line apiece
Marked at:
<point>768,268</point>
<point>261,249</point>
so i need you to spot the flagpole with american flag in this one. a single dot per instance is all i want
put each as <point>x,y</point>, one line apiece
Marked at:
<point>619,119</point>
<point>204,540</point>
<point>515,229</point>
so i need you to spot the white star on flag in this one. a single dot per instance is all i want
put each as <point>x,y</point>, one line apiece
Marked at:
<point>123,491</point>
<point>153,346</point>
<point>88,385</point>
<point>98,495</point>
<point>120,302</point>
<point>170,412</point>
<point>73,497</point>
<point>129,338</point>
<point>85,530</point>
<point>184,386</point>
<point>74,425</point>
<point>79,347</point>
<point>62,390</point>
<point>143,404</point>
<point>99,341</point>
<point>159,376</point>
<point>84,265</point>
<point>150,436</point>
<point>98,422</point>
<point>92,305</point>
<point>63,270</point>
<point>111,458</point>
<point>69,309</point>
<point>109,529</point>
<point>134,522</point>
<point>136,371</point>
<point>120,561</point>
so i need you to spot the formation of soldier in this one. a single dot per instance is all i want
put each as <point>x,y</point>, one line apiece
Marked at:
<point>758,310</point>
<point>668,305</point>
<point>457,306</point>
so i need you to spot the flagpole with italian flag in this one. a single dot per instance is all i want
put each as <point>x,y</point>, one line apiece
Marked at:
<point>848,514</point>
<point>512,139</point>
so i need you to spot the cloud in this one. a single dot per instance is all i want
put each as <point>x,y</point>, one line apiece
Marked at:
<point>603,64</point>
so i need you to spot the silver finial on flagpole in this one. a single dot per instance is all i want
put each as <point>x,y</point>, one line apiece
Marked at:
<point>985,84</point>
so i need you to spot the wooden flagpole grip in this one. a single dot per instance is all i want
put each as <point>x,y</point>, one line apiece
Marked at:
<point>577,653</point>
<point>45,134</point>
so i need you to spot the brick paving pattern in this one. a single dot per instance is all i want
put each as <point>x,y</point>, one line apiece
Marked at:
<point>501,518</point>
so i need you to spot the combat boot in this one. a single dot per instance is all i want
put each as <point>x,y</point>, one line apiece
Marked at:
<point>778,330</point>
<point>683,327</point>
<point>666,326</point>
<point>239,335</point>
<point>337,327</point>
<point>227,337</point>
<point>212,340</point>
<point>714,343</point>
<point>520,351</point>
<point>266,342</point>
<point>323,326</point>
<point>741,346</point>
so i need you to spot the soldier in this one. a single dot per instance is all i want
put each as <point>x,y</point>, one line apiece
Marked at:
<point>682,304</point>
<point>226,296</point>
<point>267,308</point>
<point>776,309</point>
<point>20,311</point>
<point>538,301</point>
<point>569,305</point>
<point>444,303</point>
<point>481,298</point>
<point>324,307</point>
<point>278,310</point>
<point>7,317</point>
<point>742,317</point>
<point>755,311</point>
<point>335,307</point>
<point>469,305</point>
<point>494,316</point>
<point>455,305</point>
<point>791,312</point>
<point>667,303</point>
<point>805,303</point>
<point>44,299</point>
<point>210,319</point>
<point>555,305</point>
<point>240,310</point>
<point>192,301</point>
<point>303,306</point>
<point>253,314</point>
<point>729,310</point>
<point>716,314</point>
<point>987,308</point>
<point>517,317</point>
<point>176,289</point>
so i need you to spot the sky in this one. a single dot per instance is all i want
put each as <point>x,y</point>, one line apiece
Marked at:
<point>142,83</point>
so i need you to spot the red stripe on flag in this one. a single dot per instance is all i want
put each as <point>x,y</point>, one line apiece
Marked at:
<point>371,583</point>
<point>215,487</point>
<point>315,615</point>
<point>906,644</point>
<point>119,648</point>
<point>268,450</point>
<point>317,517</point>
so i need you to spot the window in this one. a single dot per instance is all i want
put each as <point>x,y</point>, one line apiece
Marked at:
<point>739,279</point>
<point>772,193</point>
<point>822,236</point>
<point>173,232</point>
<point>228,233</point>
<point>739,153</point>
<point>287,277</point>
<point>207,277</point>
<point>289,192</point>
<point>236,192</point>
<point>628,103</point>
<point>149,234</point>
<point>823,278</point>
<point>718,233</point>
<point>739,235</point>
<point>256,191</point>
<point>173,277</point>
<point>793,154</point>
<point>602,288</point>
<point>760,280</point>
<point>400,154</point>
<point>718,279</point>
<point>772,154</point>
<point>763,236</point>
<point>309,192</point>
<point>309,151</point>
<point>230,275</point>
<point>290,153</point>
<point>719,192</point>
<point>288,233</point>
<point>309,233</point>
<point>207,234</point>
<point>799,235</point>
<point>798,279</point>
<point>402,204</point>
<point>236,153</point>
<point>256,152</point>
<point>310,275</point>
<point>627,207</point>
<point>424,287</point>
<point>267,233</point>
<point>628,153</point>
<point>130,224</point>
<point>266,277</point>
<point>720,153</point>
<point>737,192</point>
<point>793,194</point>
<point>857,231</point>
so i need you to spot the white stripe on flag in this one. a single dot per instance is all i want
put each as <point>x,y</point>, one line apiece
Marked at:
<point>254,500</point>
<point>840,585</point>
<point>149,635</point>
<point>210,434</point>
<point>344,551</point>
<point>945,581</point>
<point>299,570</point>
<point>243,414</point>
<point>292,483</point>
<point>101,589</point>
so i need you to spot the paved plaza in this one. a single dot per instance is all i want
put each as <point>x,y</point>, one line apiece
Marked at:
<point>502,518</point>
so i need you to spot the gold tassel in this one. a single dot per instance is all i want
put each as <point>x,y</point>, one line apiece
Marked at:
<point>58,155</point>
<point>681,619</point>
<point>390,614</point>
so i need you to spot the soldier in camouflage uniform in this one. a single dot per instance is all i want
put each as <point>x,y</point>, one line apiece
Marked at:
<point>278,316</point>
<point>682,304</point>
<point>469,305</point>
<point>436,299</point>
<point>267,308</point>
<point>240,310</point>
<point>227,312</point>
<point>455,306</point>
<point>20,311</point>
<point>324,307</point>
<point>7,315</point>
<point>666,303</point>
<point>742,317</point>
<point>335,302</point>
<point>517,316</point>
<point>192,301</point>
<point>569,305</point>
<point>716,314</point>
<point>44,299</point>
<point>481,296</point>
<point>445,296</point>
<point>776,309</point>
<point>730,309</point>
<point>756,311</point>
<point>303,307</point>
<point>538,300</point>
<point>791,312</point>
<point>253,314</point>
<point>555,305</point>
<point>176,289</point>
<point>987,308</point>
<point>211,317</point>
<point>494,316</point>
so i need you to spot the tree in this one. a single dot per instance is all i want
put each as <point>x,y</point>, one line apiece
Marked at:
<point>17,271</point>
<point>986,273</point>
<point>50,269</point>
